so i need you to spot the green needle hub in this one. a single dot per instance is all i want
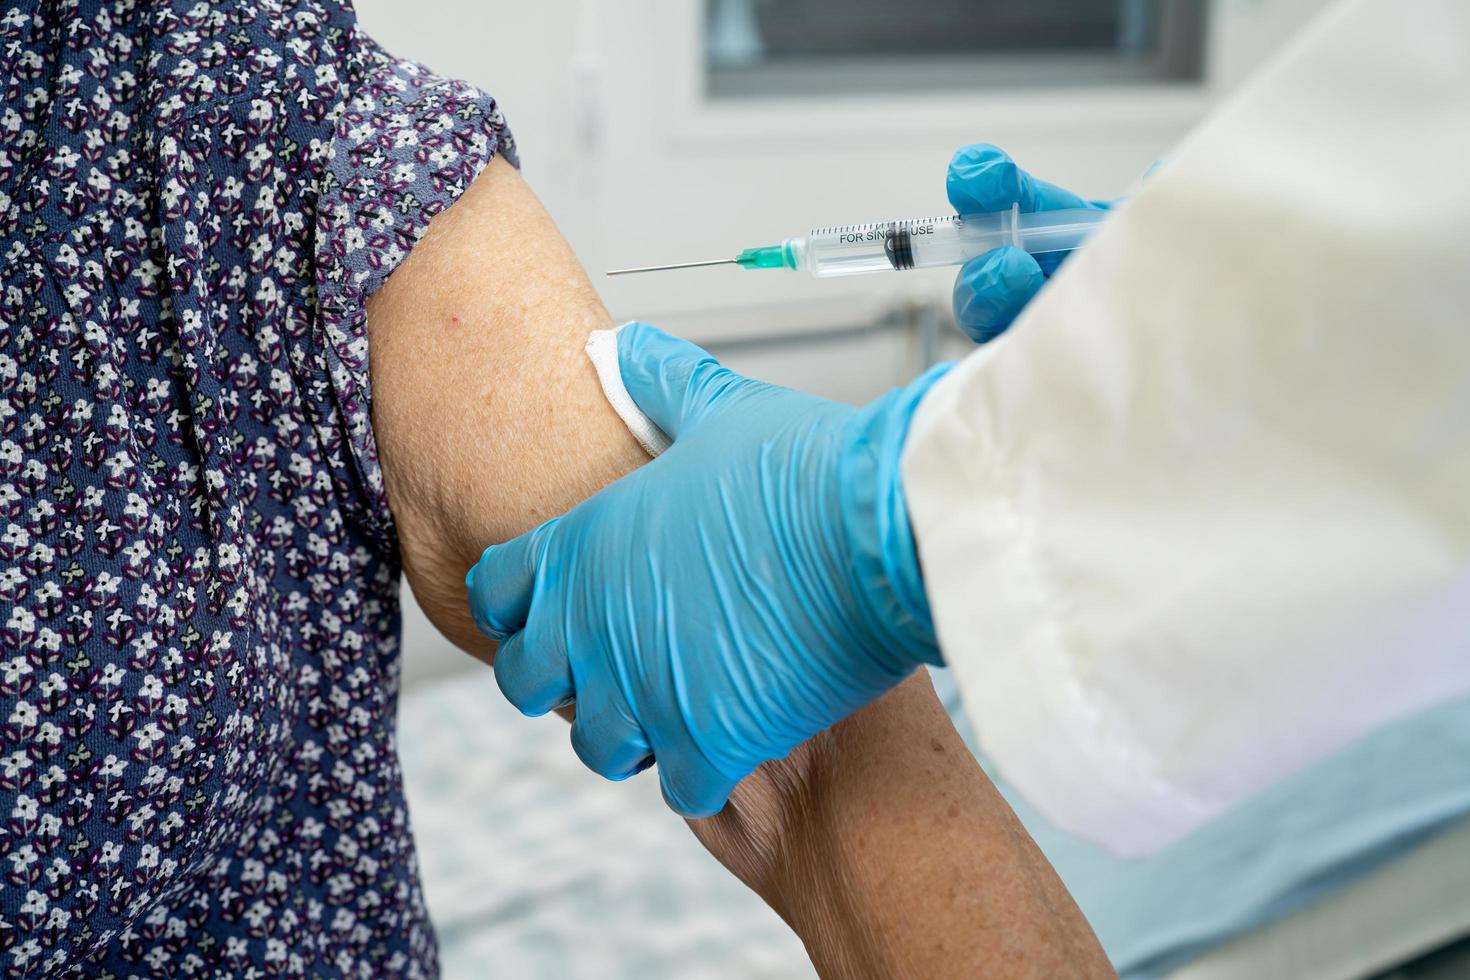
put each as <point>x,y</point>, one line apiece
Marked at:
<point>781,256</point>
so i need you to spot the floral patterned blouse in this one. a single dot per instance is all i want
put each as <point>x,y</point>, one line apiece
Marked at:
<point>198,571</point>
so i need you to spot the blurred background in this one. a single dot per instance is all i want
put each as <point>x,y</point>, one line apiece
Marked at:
<point>667,130</point>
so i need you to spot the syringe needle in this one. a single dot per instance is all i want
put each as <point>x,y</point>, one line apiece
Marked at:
<point>679,265</point>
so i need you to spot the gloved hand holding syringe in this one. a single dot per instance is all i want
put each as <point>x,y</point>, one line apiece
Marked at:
<point>914,243</point>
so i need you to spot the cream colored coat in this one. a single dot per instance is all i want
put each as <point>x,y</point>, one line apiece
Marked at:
<point>1203,516</point>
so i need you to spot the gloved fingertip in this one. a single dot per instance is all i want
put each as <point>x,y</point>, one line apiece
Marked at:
<point>982,178</point>
<point>670,379</point>
<point>474,589</point>
<point>691,786</point>
<point>992,289</point>
<point>966,158</point>
<point>536,681</point>
<point>637,334</point>
<point>607,738</point>
<point>500,586</point>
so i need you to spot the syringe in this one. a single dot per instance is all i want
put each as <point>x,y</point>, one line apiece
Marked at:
<point>913,243</point>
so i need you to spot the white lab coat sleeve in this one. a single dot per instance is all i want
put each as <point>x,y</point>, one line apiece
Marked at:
<point>1203,517</point>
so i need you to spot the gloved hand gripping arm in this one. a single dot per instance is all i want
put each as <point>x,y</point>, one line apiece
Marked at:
<point>751,586</point>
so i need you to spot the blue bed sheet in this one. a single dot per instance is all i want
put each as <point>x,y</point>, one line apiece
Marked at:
<point>1301,840</point>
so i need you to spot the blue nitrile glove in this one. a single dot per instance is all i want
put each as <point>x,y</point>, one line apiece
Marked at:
<point>745,590</point>
<point>991,290</point>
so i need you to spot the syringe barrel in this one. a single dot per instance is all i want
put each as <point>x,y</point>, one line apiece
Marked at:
<point>918,243</point>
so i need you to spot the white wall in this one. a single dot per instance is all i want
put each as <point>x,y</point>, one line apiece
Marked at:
<point>637,167</point>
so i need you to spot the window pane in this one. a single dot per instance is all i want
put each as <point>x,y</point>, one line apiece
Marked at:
<point>795,41</point>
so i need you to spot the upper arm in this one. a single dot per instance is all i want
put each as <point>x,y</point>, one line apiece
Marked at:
<point>488,416</point>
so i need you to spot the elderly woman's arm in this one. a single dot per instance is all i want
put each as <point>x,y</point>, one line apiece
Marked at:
<point>487,413</point>
<point>880,841</point>
<point>884,846</point>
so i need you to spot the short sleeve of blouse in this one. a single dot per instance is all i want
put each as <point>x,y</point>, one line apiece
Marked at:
<point>408,143</point>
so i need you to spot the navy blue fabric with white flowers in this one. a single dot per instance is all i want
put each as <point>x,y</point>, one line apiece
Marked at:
<point>198,571</point>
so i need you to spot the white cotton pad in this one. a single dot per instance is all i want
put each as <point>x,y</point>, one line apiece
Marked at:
<point>602,347</point>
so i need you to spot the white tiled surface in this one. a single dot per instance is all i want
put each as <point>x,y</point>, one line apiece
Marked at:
<point>535,867</point>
